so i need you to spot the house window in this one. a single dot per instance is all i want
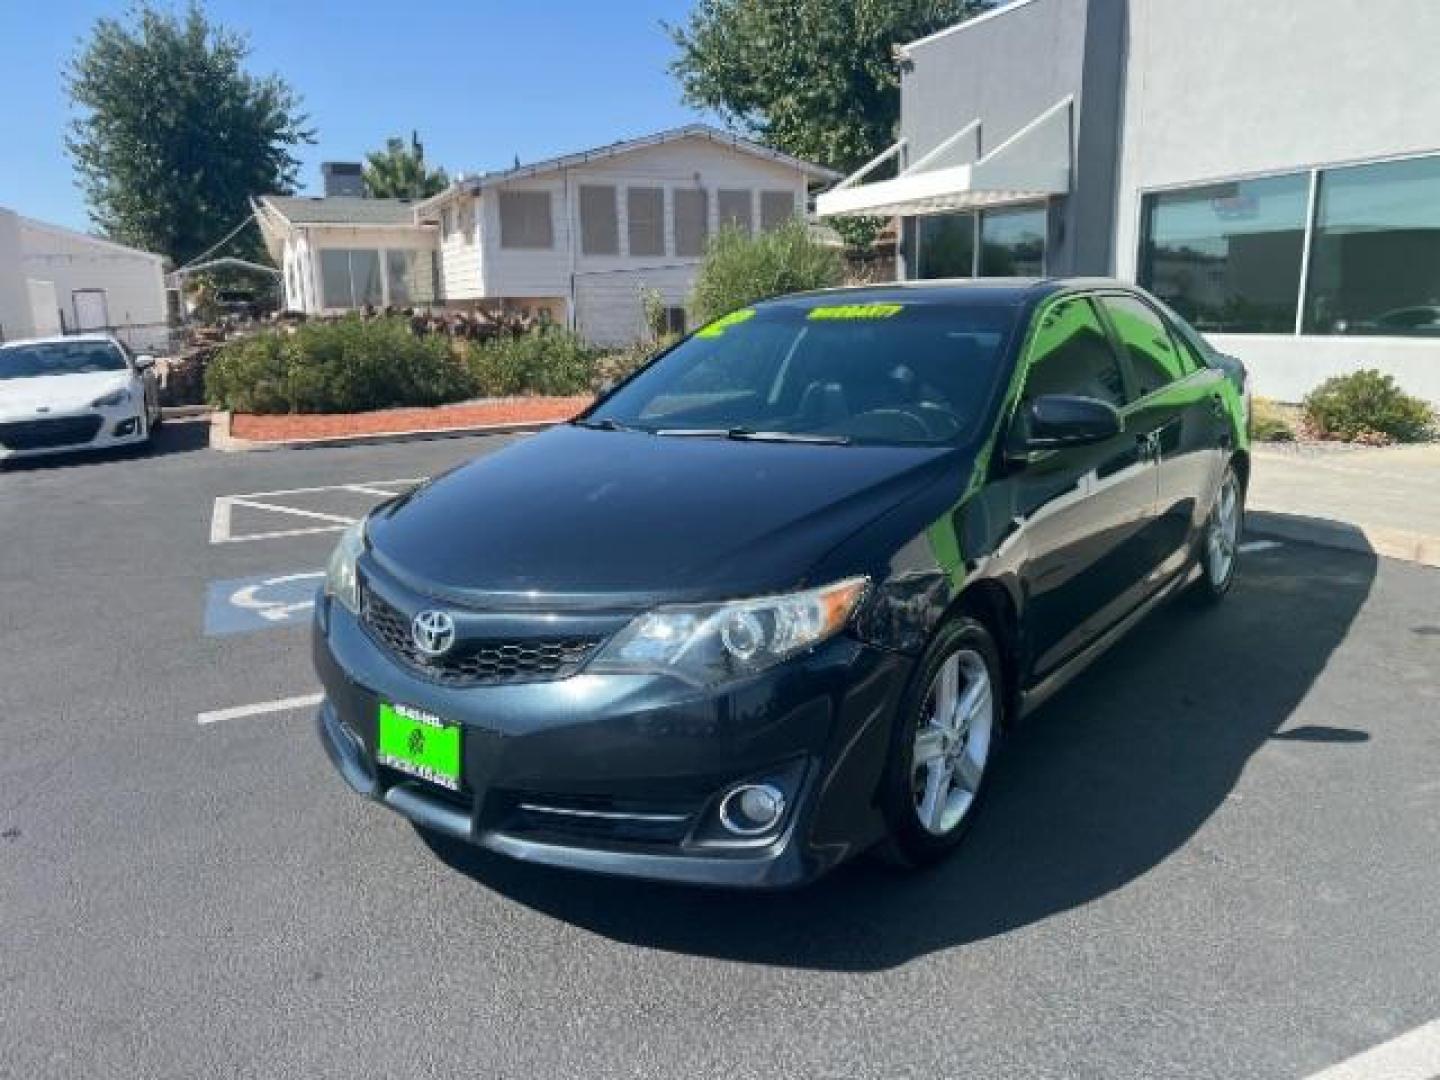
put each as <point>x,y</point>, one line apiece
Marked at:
<point>776,208</point>
<point>735,211</point>
<point>1375,257</point>
<point>947,246</point>
<point>525,220</point>
<point>692,220</point>
<point>645,209</point>
<point>599,221</point>
<point>1012,242</point>
<point>1227,256</point>
<point>674,320</point>
<point>409,276</point>
<point>350,278</point>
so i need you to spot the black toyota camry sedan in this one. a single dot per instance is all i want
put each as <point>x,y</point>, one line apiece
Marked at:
<point>778,598</point>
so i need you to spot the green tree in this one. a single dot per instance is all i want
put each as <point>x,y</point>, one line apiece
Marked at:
<point>173,136</point>
<point>399,172</point>
<point>740,269</point>
<point>815,78</point>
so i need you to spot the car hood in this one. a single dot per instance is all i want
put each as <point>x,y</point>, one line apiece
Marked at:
<point>21,398</point>
<point>583,515</point>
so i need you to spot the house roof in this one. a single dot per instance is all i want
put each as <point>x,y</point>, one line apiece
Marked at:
<point>341,210</point>
<point>472,184</point>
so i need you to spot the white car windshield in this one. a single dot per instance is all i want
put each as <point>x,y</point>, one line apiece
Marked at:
<point>59,358</point>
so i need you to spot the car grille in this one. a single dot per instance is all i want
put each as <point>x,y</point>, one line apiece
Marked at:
<point>476,663</point>
<point>46,434</point>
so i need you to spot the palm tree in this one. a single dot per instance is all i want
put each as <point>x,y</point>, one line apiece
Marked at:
<point>399,172</point>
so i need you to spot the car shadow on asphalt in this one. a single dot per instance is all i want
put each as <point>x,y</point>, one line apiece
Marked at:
<point>1109,779</point>
<point>180,436</point>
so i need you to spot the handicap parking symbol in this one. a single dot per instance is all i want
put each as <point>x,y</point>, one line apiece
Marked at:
<point>263,602</point>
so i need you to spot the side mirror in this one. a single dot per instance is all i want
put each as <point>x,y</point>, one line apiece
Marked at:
<point>144,361</point>
<point>1059,420</point>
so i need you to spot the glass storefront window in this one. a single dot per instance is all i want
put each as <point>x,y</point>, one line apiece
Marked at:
<point>1375,258</point>
<point>1227,257</point>
<point>1012,242</point>
<point>947,245</point>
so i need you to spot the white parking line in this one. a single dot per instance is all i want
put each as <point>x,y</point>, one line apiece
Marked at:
<point>222,518</point>
<point>1413,1056</point>
<point>240,712</point>
<point>1259,545</point>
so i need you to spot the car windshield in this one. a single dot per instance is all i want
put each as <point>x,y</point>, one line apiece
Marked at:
<point>874,373</point>
<point>59,358</point>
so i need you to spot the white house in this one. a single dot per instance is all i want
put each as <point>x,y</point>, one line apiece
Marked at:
<point>580,236</point>
<point>55,280</point>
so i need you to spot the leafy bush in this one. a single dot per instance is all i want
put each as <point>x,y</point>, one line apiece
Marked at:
<point>1366,406</point>
<point>548,360</point>
<point>351,365</point>
<point>740,269</point>
<point>1269,422</point>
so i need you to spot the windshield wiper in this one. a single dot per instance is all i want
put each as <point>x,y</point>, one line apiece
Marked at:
<point>745,434</point>
<point>604,424</point>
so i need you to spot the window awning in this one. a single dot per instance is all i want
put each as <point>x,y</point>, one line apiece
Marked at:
<point>1031,165</point>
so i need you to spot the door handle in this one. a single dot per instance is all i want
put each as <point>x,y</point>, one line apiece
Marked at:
<point>1217,408</point>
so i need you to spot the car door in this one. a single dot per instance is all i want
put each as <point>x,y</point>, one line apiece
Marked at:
<point>1083,511</point>
<point>1177,408</point>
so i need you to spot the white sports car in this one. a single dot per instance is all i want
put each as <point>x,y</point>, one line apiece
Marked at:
<point>72,393</point>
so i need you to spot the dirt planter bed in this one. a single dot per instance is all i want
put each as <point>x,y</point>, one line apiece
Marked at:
<point>253,428</point>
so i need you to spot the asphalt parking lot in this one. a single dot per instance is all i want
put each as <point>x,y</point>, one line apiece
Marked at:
<point>1217,854</point>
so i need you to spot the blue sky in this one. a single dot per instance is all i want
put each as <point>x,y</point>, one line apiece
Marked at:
<point>482,80</point>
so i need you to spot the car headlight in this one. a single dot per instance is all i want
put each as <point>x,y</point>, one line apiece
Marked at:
<point>112,399</point>
<point>341,581</point>
<point>711,643</point>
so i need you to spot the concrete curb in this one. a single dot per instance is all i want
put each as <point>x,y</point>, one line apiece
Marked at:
<point>1346,536</point>
<point>184,412</point>
<point>222,440</point>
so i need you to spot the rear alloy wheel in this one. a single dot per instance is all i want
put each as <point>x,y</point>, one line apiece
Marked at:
<point>944,744</point>
<point>1220,545</point>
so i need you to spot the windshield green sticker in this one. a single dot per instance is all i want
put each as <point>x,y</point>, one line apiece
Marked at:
<point>720,325</point>
<point>856,311</point>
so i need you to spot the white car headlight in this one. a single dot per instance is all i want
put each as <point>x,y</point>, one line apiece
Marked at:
<point>112,400</point>
<point>711,643</point>
<point>341,581</point>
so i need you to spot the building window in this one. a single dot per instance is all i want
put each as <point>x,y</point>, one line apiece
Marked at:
<point>776,208</point>
<point>410,277</point>
<point>645,211</point>
<point>1375,256</point>
<point>1012,242</point>
<point>674,320</point>
<point>351,278</point>
<point>735,210</point>
<point>947,246</point>
<point>1227,257</point>
<point>599,220</point>
<point>692,221</point>
<point>525,220</point>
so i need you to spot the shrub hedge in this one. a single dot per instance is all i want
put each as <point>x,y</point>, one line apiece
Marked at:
<point>1367,406</point>
<point>739,269</point>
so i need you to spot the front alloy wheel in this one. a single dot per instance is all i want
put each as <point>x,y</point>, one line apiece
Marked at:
<point>1221,542</point>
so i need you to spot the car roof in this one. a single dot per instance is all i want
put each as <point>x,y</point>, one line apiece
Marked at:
<point>61,339</point>
<point>948,291</point>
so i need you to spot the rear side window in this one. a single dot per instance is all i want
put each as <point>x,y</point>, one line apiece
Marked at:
<point>1070,353</point>
<point>1146,339</point>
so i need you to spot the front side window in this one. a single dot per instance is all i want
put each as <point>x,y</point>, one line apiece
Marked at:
<point>525,220</point>
<point>1227,256</point>
<point>59,358</point>
<point>888,374</point>
<point>1070,353</point>
<point>1375,259</point>
<point>1147,342</point>
<point>1012,242</point>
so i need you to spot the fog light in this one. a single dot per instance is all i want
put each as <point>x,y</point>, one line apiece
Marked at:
<point>127,427</point>
<point>752,809</point>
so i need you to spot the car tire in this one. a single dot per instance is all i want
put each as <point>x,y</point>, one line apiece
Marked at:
<point>1219,553</point>
<point>941,756</point>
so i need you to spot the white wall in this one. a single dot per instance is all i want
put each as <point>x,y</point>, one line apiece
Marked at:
<point>15,318</point>
<point>460,250</point>
<point>133,281</point>
<point>1233,88</point>
<point>594,282</point>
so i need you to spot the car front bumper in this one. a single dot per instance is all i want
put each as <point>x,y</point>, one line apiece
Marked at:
<point>623,774</point>
<point>91,429</point>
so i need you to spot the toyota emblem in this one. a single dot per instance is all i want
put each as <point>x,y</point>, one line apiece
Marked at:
<point>433,633</point>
